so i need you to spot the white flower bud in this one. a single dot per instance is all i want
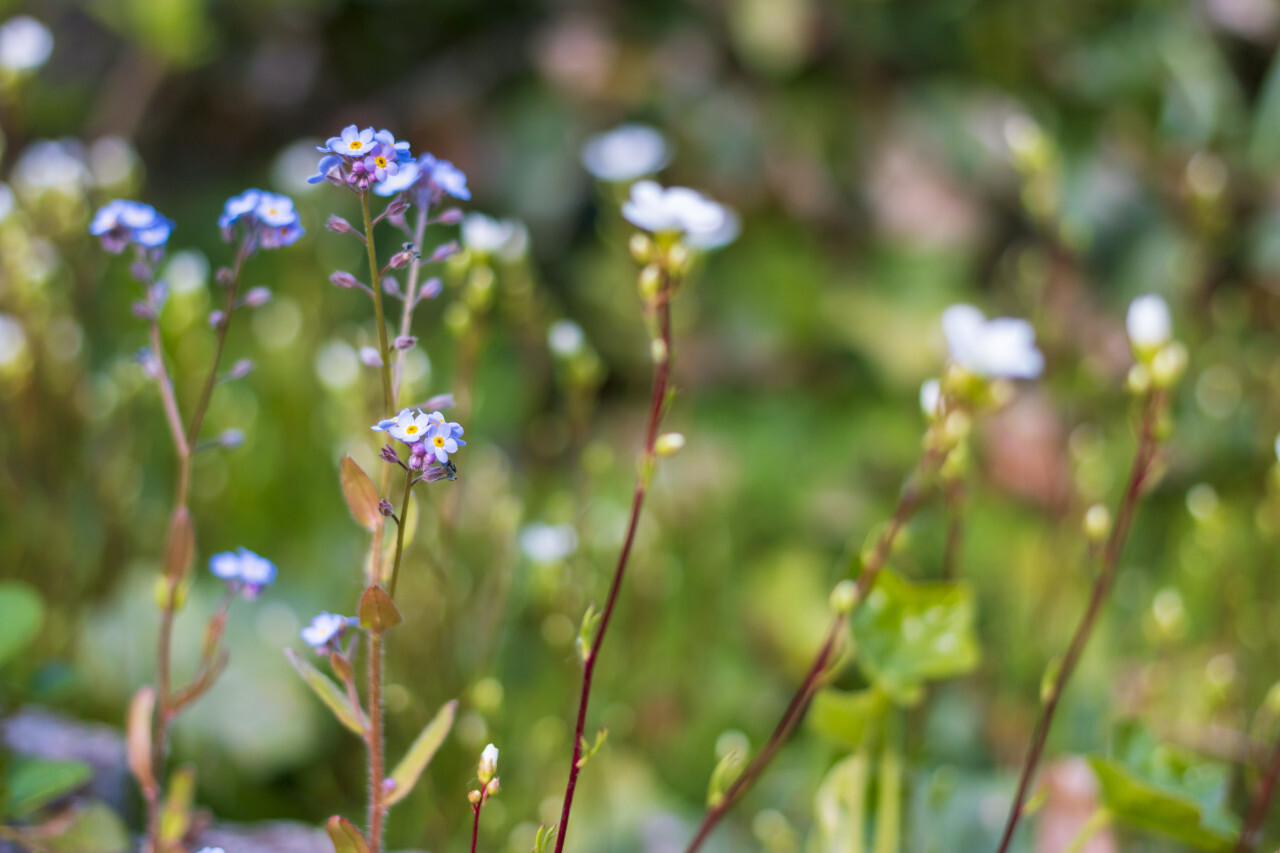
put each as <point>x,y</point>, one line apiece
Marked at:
<point>668,444</point>
<point>488,764</point>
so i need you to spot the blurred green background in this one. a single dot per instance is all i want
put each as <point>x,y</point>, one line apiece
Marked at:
<point>1040,159</point>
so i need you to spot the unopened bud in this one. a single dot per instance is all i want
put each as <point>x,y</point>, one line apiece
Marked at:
<point>431,288</point>
<point>343,279</point>
<point>341,666</point>
<point>1139,380</point>
<point>143,311</point>
<point>445,251</point>
<point>678,257</point>
<point>338,225</point>
<point>224,276</point>
<point>493,787</point>
<point>390,286</point>
<point>231,439</point>
<point>473,797</point>
<point>668,444</point>
<point>140,271</point>
<point>658,350</point>
<point>1169,364</point>
<point>257,297</point>
<point>388,454</point>
<point>844,597</point>
<point>240,369</point>
<point>371,357</point>
<point>405,342</point>
<point>649,282</point>
<point>398,206</point>
<point>385,509</point>
<point>641,247</point>
<point>216,318</point>
<point>1097,523</point>
<point>488,764</point>
<point>400,260</point>
<point>452,216</point>
<point>439,401</point>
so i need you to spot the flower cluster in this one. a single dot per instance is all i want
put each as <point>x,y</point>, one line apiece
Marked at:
<point>243,571</point>
<point>121,223</point>
<point>1001,348</point>
<point>361,158</point>
<point>326,631</point>
<point>428,435</point>
<point>267,220</point>
<point>428,179</point>
<point>1161,360</point>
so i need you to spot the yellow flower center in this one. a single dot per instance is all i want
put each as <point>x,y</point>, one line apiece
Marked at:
<point>439,441</point>
<point>357,144</point>
<point>412,429</point>
<point>271,211</point>
<point>381,161</point>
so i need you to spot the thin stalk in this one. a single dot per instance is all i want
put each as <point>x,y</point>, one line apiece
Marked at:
<point>404,518</point>
<point>1097,821</point>
<point>376,800</point>
<point>410,304</point>
<point>657,401</point>
<point>1147,446</point>
<point>206,393</point>
<point>375,282</point>
<point>813,681</point>
<point>475,828</point>
<point>889,802</point>
<point>908,502</point>
<point>1261,804</point>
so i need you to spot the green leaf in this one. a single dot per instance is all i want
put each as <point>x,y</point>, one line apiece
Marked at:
<point>545,836</point>
<point>175,818</point>
<point>908,633</point>
<point>35,783</point>
<point>330,693</point>
<point>378,612</point>
<point>88,828</point>
<point>361,495</point>
<point>138,737</point>
<point>421,752</point>
<point>1158,809</point>
<point>840,806</point>
<point>21,615</point>
<point>852,719</point>
<point>728,769</point>
<point>345,837</point>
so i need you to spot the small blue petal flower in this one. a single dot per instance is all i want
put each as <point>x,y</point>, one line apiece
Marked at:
<point>122,222</point>
<point>326,165</point>
<point>441,439</point>
<point>269,220</point>
<point>275,210</point>
<point>326,630</point>
<point>353,142</point>
<point>238,206</point>
<point>448,177</point>
<point>244,571</point>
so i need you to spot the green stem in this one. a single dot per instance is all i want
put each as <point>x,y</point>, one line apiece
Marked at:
<point>889,800</point>
<point>206,393</point>
<point>1097,821</point>
<point>375,284</point>
<point>404,520</point>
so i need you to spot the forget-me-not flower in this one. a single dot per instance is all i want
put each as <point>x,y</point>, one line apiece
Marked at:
<point>1001,348</point>
<point>326,630</point>
<point>625,153</point>
<point>243,571</point>
<point>406,426</point>
<point>121,222</point>
<point>443,437</point>
<point>269,220</point>
<point>673,210</point>
<point>429,179</point>
<point>352,142</point>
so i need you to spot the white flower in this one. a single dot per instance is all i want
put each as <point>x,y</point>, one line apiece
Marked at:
<point>625,153</point>
<point>213,850</point>
<point>728,231</point>
<point>565,338</point>
<point>930,397</point>
<point>1148,322</point>
<point>50,165</point>
<point>676,209</point>
<point>488,763</point>
<point>25,44</point>
<point>13,340</point>
<point>324,628</point>
<point>1003,347</point>
<point>485,233</point>
<point>548,543</point>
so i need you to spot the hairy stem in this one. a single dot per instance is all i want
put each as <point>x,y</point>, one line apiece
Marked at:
<point>410,304</point>
<point>1261,804</point>
<point>404,520</point>
<point>1147,446</point>
<point>377,807</point>
<point>375,283</point>
<point>206,393</point>
<point>657,401</point>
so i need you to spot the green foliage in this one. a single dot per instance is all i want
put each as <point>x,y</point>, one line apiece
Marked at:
<point>21,615</point>
<point>1166,791</point>
<point>852,719</point>
<point>908,633</point>
<point>32,784</point>
<point>726,772</point>
<point>345,837</point>
<point>333,696</point>
<point>420,753</point>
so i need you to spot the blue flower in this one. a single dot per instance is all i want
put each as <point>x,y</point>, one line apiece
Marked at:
<point>381,162</point>
<point>401,148</point>
<point>431,176</point>
<point>326,630</point>
<point>122,222</point>
<point>326,165</point>
<point>447,177</point>
<point>352,142</point>
<point>443,437</point>
<point>244,571</point>
<point>269,220</point>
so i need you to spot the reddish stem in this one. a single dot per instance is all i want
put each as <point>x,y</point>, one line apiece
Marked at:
<point>1261,804</point>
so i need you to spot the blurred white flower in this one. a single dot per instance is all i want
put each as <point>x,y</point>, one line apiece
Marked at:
<point>186,271</point>
<point>1148,322</point>
<point>6,201</point>
<point>506,238</point>
<point>488,763</point>
<point>1003,347</point>
<point>677,209</point>
<point>50,165</point>
<point>625,153</point>
<point>13,340</point>
<point>548,543</point>
<point>930,396</point>
<point>112,161</point>
<point>25,44</point>
<point>565,338</point>
<point>722,236</point>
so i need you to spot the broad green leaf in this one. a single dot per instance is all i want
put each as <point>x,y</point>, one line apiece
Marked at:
<point>345,837</point>
<point>35,783</point>
<point>361,495</point>
<point>908,633</point>
<point>378,612</point>
<point>852,719</point>
<point>1160,809</point>
<point>421,752</point>
<point>21,615</point>
<point>88,828</point>
<point>329,693</point>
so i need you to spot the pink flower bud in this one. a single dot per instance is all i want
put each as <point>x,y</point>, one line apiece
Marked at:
<point>338,225</point>
<point>257,297</point>
<point>406,342</point>
<point>216,318</point>
<point>452,216</point>
<point>343,279</point>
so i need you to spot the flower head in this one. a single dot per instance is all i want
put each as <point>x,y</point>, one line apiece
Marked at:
<point>244,571</point>
<point>1003,347</point>
<point>25,44</point>
<point>443,437</point>
<point>326,630</point>
<point>268,220</point>
<point>406,426</point>
<point>1148,322</point>
<point>387,140</point>
<point>352,142</point>
<point>625,153</point>
<point>122,222</point>
<point>430,179</point>
<point>381,162</point>
<point>677,210</point>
